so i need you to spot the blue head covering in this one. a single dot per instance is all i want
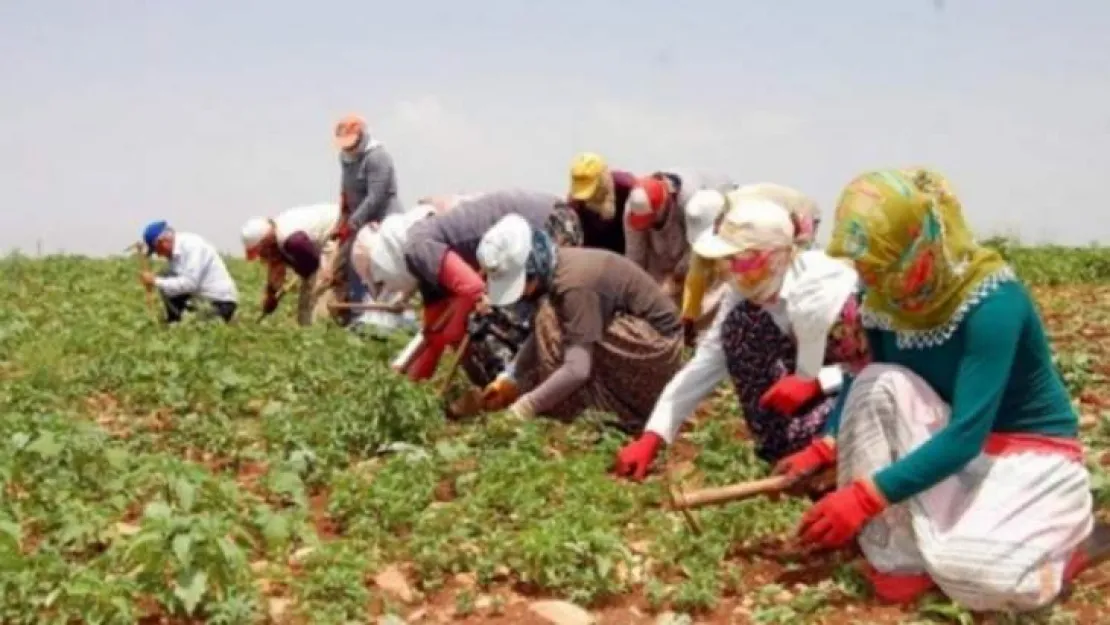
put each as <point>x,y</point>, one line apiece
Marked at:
<point>151,234</point>
<point>541,262</point>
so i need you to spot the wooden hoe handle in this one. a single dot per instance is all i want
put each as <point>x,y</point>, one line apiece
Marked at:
<point>732,492</point>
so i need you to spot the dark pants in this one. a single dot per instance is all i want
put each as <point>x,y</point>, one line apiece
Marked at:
<point>176,307</point>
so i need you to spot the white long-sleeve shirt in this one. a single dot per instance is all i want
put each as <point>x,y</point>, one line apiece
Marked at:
<point>814,290</point>
<point>197,270</point>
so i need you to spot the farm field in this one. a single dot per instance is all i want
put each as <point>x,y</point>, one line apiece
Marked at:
<point>261,472</point>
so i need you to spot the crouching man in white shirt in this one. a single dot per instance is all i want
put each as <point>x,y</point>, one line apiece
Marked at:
<point>195,270</point>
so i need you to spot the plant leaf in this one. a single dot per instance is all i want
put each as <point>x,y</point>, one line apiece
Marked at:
<point>183,549</point>
<point>191,593</point>
<point>45,445</point>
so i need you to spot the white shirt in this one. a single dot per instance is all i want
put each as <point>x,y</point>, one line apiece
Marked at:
<point>815,288</point>
<point>318,221</point>
<point>197,270</point>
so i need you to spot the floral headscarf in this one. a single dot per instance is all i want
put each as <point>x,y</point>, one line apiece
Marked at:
<point>920,265</point>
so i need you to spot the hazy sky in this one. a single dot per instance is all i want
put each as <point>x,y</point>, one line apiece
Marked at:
<point>206,113</point>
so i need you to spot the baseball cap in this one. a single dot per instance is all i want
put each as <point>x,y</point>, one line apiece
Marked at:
<point>252,234</point>
<point>151,233</point>
<point>702,212</point>
<point>749,223</point>
<point>645,201</point>
<point>348,131</point>
<point>503,255</point>
<point>586,171</point>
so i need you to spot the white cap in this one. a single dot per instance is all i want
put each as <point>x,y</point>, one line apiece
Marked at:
<point>750,223</point>
<point>702,212</point>
<point>503,254</point>
<point>253,232</point>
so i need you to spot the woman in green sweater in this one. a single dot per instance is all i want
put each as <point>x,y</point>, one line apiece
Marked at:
<point>957,453</point>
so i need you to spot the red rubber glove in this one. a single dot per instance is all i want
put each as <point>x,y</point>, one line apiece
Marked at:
<point>789,394</point>
<point>840,515</point>
<point>343,232</point>
<point>635,458</point>
<point>818,455</point>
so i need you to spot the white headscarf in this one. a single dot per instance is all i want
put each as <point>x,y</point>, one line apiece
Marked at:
<point>378,253</point>
<point>815,290</point>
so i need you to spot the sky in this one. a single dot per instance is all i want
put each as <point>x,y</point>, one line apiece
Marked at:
<point>207,113</point>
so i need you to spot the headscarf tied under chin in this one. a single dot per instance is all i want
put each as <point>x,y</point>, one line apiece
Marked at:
<point>922,268</point>
<point>541,262</point>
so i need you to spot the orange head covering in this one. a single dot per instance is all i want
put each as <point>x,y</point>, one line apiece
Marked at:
<point>348,131</point>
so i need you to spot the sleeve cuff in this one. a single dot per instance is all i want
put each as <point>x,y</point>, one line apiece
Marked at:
<point>831,379</point>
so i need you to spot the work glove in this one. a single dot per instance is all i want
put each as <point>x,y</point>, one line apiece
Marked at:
<point>635,458</point>
<point>500,393</point>
<point>343,232</point>
<point>790,394</point>
<point>818,455</point>
<point>466,406</point>
<point>839,516</point>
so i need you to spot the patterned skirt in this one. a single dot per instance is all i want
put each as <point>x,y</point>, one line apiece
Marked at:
<point>489,355</point>
<point>758,354</point>
<point>631,366</point>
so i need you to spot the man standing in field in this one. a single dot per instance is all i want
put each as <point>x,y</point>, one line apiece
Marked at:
<point>368,194</point>
<point>196,270</point>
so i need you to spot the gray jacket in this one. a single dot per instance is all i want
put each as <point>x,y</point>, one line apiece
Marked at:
<point>369,184</point>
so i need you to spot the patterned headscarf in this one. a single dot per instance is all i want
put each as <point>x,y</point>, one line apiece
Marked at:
<point>541,261</point>
<point>921,267</point>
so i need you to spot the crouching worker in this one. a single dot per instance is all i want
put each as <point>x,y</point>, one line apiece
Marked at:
<point>958,459</point>
<point>785,334</point>
<point>440,252</point>
<point>604,336</point>
<point>655,223</point>
<point>298,238</point>
<point>195,270</point>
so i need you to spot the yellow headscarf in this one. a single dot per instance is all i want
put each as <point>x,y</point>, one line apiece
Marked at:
<point>921,267</point>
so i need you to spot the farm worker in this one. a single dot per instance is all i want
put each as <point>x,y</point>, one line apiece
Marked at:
<point>655,224</point>
<point>368,195</point>
<point>702,212</point>
<point>785,333</point>
<point>300,239</point>
<point>195,270</point>
<point>957,452</point>
<point>598,194</point>
<point>604,336</point>
<point>439,253</point>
